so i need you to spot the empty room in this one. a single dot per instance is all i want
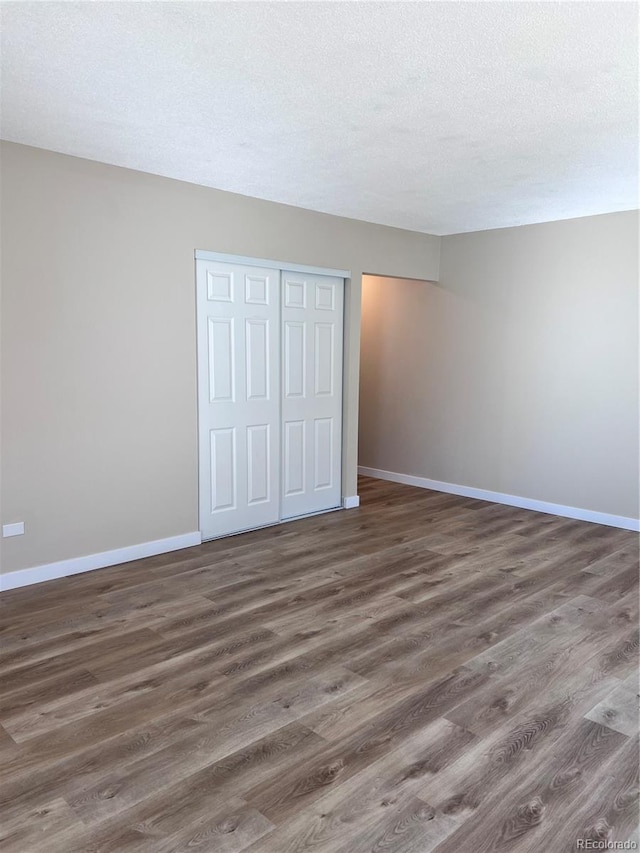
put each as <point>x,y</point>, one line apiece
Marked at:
<point>320,427</point>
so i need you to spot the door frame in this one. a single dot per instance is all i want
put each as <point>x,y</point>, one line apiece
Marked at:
<point>225,258</point>
<point>202,255</point>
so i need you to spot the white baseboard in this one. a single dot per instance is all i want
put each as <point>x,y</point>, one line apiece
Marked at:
<point>511,500</point>
<point>64,568</point>
<point>351,502</point>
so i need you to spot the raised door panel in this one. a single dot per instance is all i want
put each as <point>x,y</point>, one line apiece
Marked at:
<point>295,358</point>
<point>323,359</point>
<point>325,293</point>
<point>323,452</point>
<point>256,289</point>
<point>295,293</point>
<point>257,358</point>
<point>219,285</point>
<point>220,366</point>
<point>224,474</point>
<point>258,463</point>
<point>294,458</point>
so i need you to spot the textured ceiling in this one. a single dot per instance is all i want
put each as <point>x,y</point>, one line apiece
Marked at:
<point>433,116</point>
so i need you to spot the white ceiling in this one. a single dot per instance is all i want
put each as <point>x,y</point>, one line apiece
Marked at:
<point>434,116</point>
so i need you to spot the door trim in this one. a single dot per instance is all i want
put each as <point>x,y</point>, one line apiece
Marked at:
<point>221,257</point>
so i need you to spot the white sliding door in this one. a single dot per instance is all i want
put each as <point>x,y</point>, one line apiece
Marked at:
<point>312,308</point>
<point>269,394</point>
<point>239,396</point>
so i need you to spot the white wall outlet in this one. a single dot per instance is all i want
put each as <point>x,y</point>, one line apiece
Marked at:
<point>16,529</point>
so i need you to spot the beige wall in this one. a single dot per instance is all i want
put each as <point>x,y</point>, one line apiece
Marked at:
<point>518,372</point>
<point>98,341</point>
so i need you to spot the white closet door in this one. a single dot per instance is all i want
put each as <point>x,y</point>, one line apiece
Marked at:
<point>312,307</point>
<point>239,396</point>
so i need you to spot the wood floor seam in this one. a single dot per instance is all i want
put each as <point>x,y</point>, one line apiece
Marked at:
<point>424,673</point>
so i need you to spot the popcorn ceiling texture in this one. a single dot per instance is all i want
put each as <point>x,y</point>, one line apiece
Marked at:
<point>435,117</point>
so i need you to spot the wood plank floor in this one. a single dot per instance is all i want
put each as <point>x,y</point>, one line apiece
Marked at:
<point>425,673</point>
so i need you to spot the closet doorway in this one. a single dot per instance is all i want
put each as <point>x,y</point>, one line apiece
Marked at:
<point>270,377</point>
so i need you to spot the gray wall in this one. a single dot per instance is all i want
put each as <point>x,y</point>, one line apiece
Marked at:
<point>518,372</point>
<point>98,341</point>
